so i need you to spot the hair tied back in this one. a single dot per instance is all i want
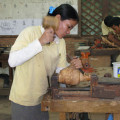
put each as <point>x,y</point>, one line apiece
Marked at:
<point>51,9</point>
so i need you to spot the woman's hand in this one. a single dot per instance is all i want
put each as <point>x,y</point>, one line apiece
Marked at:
<point>111,37</point>
<point>47,37</point>
<point>76,62</point>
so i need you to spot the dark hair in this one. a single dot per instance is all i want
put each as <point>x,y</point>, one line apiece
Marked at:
<point>108,20</point>
<point>115,21</point>
<point>66,11</point>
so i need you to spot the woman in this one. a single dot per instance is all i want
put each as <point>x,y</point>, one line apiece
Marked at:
<point>35,59</point>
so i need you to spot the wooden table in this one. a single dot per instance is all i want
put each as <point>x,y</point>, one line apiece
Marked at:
<point>83,104</point>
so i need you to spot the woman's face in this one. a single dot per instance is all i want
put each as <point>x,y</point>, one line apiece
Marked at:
<point>65,27</point>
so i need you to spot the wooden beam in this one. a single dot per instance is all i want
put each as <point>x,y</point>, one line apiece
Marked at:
<point>105,8</point>
<point>84,104</point>
<point>79,13</point>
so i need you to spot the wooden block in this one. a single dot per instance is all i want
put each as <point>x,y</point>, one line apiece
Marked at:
<point>100,61</point>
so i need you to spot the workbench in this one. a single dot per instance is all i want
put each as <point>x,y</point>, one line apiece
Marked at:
<point>84,104</point>
<point>101,59</point>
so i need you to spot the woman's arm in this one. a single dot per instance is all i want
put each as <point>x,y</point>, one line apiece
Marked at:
<point>19,57</point>
<point>24,50</point>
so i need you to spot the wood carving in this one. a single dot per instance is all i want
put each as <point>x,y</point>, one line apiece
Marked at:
<point>72,76</point>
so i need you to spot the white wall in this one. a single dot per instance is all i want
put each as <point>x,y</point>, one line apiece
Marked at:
<point>16,15</point>
<point>21,9</point>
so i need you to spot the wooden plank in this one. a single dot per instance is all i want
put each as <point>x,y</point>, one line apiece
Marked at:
<point>79,13</point>
<point>46,103</point>
<point>8,36</point>
<point>100,61</point>
<point>105,8</point>
<point>85,106</point>
<point>105,51</point>
<point>93,105</point>
<point>109,81</point>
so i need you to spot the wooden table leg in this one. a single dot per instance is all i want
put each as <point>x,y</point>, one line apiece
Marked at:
<point>116,116</point>
<point>62,116</point>
<point>10,75</point>
<point>106,116</point>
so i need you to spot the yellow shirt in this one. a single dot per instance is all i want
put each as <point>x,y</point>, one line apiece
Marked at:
<point>105,29</point>
<point>30,80</point>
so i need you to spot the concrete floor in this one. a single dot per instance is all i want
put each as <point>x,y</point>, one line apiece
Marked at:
<point>5,111</point>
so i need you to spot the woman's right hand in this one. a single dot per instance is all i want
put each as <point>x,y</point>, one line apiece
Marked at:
<point>111,37</point>
<point>47,37</point>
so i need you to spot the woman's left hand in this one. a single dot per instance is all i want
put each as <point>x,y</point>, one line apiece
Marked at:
<point>76,62</point>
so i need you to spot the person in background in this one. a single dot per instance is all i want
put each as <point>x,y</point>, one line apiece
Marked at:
<point>111,28</point>
<point>106,25</point>
<point>35,59</point>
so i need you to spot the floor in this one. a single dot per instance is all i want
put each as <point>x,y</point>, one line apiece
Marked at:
<point>5,108</point>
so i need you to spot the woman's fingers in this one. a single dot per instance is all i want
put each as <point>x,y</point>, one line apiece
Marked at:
<point>77,63</point>
<point>47,37</point>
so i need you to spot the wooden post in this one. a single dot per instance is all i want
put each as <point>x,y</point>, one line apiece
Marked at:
<point>62,116</point>
<point>107,115</point>
<point>116,116</point>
